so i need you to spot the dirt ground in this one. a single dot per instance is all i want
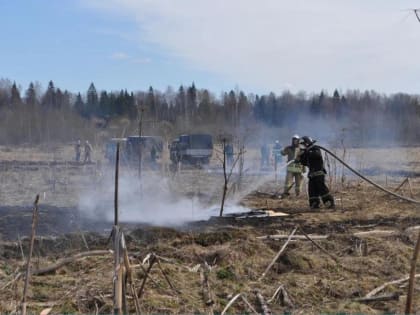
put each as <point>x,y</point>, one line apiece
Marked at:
<point>229,255</point>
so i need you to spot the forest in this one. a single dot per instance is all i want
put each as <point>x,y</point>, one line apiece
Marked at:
<point>36,115</point>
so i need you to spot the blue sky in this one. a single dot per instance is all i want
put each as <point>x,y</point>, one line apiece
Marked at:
<point>257,46</point>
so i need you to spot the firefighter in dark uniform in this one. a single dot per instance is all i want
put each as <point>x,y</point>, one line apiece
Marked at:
<point>317,189</point>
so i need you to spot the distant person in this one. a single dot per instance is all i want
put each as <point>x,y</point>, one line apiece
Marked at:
<point>295,169</point>
<point>265,155</point>
<point>317,189</point>
<point>78,150</point>
<point>277,154</point>
<point>88,152</point>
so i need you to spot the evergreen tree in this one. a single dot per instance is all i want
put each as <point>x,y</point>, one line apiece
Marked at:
<point>49,99</point>
<point>30,96</point>
<point>92,101</point>
<point>15,99</point>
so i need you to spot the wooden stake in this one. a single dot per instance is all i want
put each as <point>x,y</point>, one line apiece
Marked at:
<point>408,306</point>
<point>31,248</point>
<point>117,279</point>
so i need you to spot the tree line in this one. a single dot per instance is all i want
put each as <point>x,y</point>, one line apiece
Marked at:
<point>36,115</point>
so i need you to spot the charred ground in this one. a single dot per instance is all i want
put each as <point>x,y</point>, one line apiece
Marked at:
<point>227,249</point>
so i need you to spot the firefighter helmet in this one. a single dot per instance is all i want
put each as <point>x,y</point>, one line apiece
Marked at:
<point>307,141</point>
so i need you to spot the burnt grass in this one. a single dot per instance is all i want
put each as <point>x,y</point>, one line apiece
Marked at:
<point>230,248</point>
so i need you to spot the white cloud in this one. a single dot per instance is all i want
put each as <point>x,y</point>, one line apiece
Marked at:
<point>275,44</point>
<point>126,57</point>
<point>119,56</point>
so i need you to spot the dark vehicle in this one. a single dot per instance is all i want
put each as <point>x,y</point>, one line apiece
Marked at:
<point>192,149</point>
<point>151,148</point>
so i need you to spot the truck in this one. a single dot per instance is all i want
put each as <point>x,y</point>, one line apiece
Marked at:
<point>195,149</point>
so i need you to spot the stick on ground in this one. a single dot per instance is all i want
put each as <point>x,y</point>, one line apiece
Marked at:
<point>278,254</point>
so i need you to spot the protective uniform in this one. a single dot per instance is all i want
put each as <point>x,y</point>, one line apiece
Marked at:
<point>317,189</point>
<point>294,169</point>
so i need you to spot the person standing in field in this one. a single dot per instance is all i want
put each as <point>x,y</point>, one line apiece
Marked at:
<point>294,169</point>
<point>317,189</point>
<point>88,152</point>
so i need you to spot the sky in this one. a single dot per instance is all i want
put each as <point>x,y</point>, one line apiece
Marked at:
<point>254,46</point>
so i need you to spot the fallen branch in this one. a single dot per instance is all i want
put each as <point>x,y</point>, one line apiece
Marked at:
<point>278,254</point>
<point>16,278</point>
<point>283,295</point>
<point>400,185</point>
<point>379,289</point>
<point>67,260</point>
<point>294,237</point>
<point>151,263</point>
<point>265,309</point>
<point>320,247</point>
<point>239,295</point>
<point>377,233</point>
<point>383,297</point>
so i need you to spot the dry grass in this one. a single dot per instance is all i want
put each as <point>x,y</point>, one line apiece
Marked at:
<point>315,282</point>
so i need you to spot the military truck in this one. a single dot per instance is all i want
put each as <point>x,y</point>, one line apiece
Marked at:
<point>192,149</point>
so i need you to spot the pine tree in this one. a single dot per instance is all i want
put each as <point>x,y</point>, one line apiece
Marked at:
<point>30,96</point>
<point>92,101</point>
<point>15,99</point>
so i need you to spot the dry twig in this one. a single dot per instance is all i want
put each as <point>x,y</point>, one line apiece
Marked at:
<point>278,254</point>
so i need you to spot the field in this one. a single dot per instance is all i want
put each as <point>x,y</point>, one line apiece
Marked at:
<point>204,260</point>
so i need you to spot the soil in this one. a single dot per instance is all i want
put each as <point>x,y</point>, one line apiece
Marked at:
<point>228,251</point>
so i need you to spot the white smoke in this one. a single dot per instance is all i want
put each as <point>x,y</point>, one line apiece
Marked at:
<point>160,200</point>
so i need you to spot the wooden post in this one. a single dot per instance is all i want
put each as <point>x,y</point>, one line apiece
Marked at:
<point>117,161</point>
<point>31,248</point>
<point>225,182</point>
<point>117,278</point>
<point>409,303</point>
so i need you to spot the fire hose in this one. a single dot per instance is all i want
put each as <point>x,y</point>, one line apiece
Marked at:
<point>368,180</point>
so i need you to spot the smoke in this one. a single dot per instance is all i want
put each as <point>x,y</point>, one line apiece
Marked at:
<point>159,200</point>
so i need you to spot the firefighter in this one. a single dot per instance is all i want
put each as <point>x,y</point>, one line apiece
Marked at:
<point>265,155</point>
<point>276,154</point>
<point>88,152</point>
<point>317,189</point>
<point>78,150</point>
<point>294,169</point>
